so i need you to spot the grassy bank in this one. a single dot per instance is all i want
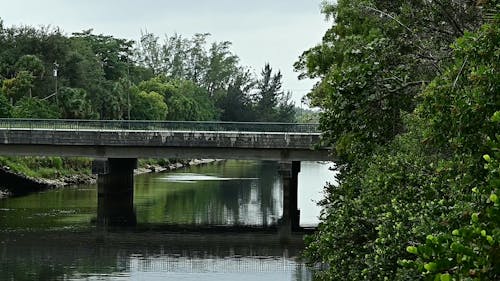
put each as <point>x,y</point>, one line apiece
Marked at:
<point>47,167</point>
<point>57,167</point>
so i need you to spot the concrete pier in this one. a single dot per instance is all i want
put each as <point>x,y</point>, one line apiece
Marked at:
<point>115,189</point>
<point>289,172</point>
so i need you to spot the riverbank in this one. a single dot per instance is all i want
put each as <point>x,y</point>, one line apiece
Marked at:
<point>16,183</point>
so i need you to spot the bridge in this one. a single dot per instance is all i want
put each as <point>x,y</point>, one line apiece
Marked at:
<point>116,146</point>
<point>150,139</point>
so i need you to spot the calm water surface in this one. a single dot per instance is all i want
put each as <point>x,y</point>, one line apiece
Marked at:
<point>50,235</point>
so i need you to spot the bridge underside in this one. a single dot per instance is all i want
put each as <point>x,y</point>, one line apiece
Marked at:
<point>164,152</point>
<point>115,184</point>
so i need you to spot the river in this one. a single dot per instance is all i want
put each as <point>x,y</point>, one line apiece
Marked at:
<point>52,235</point>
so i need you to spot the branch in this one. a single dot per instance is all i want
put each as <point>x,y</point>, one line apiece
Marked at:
<point>408,29</point>
<point>390,16</point>
<point>454,23</point>
<point>408,85</point>
<point>460,72</point>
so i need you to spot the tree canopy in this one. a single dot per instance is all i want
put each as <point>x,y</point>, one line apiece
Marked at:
<point>104,77</point>
<point>409,92</point>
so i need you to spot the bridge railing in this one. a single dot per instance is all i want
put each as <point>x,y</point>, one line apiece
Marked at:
<point>133,125</point>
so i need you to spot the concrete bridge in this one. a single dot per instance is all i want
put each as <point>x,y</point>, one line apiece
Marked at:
<point>149,139</point>
<point>116,145</point>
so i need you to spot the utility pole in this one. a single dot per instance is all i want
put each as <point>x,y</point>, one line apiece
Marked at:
<point>56,67</point>
<point>129,86</point>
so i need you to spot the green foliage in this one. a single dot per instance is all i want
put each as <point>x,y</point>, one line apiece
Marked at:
<point>409,181</point>
<point>113,53</point>
<point>464,119</point>
<point>237,104</point>
<point>271,103</point>
<point>18,87</point>
<point>186,101</point>
<point>472,251</point>
<point>97,76</point>
<point>35,108</point>
<point>157,84</point>
<point>459,103</point>
<point>306,115</point>
<point>47,167</point>
<point>32,64</point>
<point>148,106</point>
<point>74,104</point>
<point>373,62</point>
<point>190,102</point>
<point>213,68</point>
<point>5,106</point>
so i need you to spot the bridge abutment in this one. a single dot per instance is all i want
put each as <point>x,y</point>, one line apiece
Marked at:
<point>289,172</point>
<point>115,189</point>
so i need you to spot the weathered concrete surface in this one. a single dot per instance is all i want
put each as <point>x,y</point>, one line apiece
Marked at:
<point>162,144</point>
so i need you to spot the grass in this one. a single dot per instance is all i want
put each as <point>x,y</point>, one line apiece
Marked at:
<point>47,167</point>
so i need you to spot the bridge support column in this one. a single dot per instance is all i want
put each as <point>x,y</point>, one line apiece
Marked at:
<point>115,191</point>
<point>289,175</point>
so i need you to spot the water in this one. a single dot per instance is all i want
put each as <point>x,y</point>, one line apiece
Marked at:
<point>50,235</point>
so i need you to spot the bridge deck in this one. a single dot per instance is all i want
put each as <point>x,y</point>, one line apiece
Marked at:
<point>134,139</point>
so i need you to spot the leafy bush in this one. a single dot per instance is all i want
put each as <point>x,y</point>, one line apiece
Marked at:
<point>420,189</point>
<point>35,108</point>
<point>471,251</point>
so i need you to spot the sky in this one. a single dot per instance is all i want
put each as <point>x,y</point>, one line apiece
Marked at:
<point>262,31</point>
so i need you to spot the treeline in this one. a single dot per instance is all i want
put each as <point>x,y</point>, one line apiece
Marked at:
<point>46,74</point>
<point>410,93</point>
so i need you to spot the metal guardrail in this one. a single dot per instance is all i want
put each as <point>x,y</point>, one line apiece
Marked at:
<point>133,125</point>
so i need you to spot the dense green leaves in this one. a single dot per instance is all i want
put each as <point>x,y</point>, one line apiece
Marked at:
<point>410,119</point>
<point>459,103</point>
<point>189,101</point>
<point>74,103</point>
<point>271,103</point>
<point>35,108</point>
<point>463,114</point>
<point>148,106</point>
<point>5,106</point>
<point>100,76</point>
<point>18,87</point>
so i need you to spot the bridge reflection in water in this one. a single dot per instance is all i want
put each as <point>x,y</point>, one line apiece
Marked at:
<point>150,256</point>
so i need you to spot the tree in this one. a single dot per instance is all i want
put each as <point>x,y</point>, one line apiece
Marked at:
<point>462,110</point>
<point>148,106</point>
<point>395,185</point>
<point>5,106</point>
<point>190,102</point>
<point>158,84</point>
<point>271,103</point>
<point>32,64</point>
<point>222,68</point>
<point>373,62</point>
<point>18,87</point>
<point>236,104</point>
<point>113,53</point>
<point>82,68</point>
<point>179,58</point>
<point>74,104</point>
<point>23,48</point>
<point>35,108</point>
<point>150,54</point>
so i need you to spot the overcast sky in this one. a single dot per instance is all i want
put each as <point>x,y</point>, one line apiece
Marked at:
<point>274,31</point>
